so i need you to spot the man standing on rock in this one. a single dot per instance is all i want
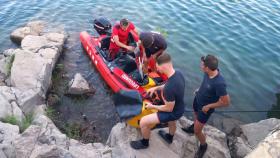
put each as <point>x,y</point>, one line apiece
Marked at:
<point>173,108</point>
<point>211,94</point>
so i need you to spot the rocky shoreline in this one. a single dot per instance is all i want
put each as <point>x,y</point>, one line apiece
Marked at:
<point>25,78</point>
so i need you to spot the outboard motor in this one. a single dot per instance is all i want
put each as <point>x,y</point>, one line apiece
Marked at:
<point>102,26</point>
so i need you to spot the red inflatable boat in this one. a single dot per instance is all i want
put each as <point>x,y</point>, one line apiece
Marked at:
<point>119,74</point>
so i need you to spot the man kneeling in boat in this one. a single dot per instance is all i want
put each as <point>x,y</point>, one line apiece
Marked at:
<point>120,36</point>
<point>153,44</point>
<point>173,108</point>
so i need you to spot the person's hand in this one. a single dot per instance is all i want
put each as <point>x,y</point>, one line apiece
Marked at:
<point>205,109</point>
<point>148,105</point>
<point>195,91</point>
<point>130,48</point>
<point>151,91</point>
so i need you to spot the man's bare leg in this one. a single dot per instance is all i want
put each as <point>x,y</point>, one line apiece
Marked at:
<point>145,124</point>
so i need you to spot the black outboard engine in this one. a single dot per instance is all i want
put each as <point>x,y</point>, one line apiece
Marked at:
<point>102,26</point>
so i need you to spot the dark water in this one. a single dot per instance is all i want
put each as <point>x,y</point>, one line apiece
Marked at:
<point>244,34</point>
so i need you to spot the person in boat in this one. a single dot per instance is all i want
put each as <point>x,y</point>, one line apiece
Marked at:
<point>172,109</point>
<point>152,45</point>
<point>120,36</point>
<point>211,94</point>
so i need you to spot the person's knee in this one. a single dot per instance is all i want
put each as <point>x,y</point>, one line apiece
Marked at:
<point>172,124</point>
<point>144,122</point>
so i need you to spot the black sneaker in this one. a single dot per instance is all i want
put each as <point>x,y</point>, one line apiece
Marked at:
<point>166,136</point>
<point>139,144</point>
<point>201,151</point>
<point>189,130</point>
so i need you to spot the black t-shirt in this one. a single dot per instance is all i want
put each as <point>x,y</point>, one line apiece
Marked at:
<point>211,90</point>
<point>174,90</point>
<point>159,43</point>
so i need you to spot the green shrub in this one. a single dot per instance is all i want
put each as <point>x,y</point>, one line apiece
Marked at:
<point>50,112</point>
<point>10,64</point>
<point>72,130</point>
<point>26,122</point>
<point>11,120</point>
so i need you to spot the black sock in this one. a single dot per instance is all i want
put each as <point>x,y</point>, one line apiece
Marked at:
<point>202,146</point>
<point>145,142</point>
<point>169,136</point>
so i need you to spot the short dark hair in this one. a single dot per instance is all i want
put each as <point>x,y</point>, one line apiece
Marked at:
<point>124,22</point>
<point>163,58</point>
<point>210,61</point>
<point>147,39</point>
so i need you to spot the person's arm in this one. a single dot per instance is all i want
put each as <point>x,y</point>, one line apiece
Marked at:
<point>135,30</point>
<point>167,107</point>
<point>224,101</point>
<point>120,44</point>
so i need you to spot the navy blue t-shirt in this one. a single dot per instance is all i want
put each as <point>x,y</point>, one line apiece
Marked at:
<point>211,90</point>
<point>174,90</point>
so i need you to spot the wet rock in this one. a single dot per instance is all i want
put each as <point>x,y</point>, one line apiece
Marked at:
<point>183,145</point>
<point>79,86</point>
<point>269,147</point>
<point>31,28</point>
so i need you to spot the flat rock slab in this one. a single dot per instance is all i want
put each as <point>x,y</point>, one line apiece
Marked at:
<point>31,28</point>
<point>183,145</point>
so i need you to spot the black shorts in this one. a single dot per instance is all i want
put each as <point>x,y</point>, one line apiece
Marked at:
<point>165,117</point>
<point>200,115</point>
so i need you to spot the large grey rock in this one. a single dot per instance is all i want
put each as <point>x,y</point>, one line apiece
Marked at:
<point>269,147</point>
<point>243,142</point>
<point>256,132</point>
<point>34,43</point>
<point>8,102</point>
<point>78,149</point>
<point>41,137</point>
<point>238,146</point>
<point>43,140</point>
<point>79,86</point>
<point>183,145</point>
<point>8,133</point>
<point>31,71</point>
<point>50,40</point>
<point>31,28</point>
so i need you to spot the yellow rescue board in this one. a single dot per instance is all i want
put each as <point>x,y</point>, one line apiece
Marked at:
<point>135,121</point>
